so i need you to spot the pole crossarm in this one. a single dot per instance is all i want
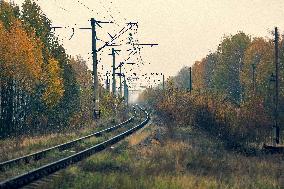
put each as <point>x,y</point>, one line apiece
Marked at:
<point>132,23</point>
<point>146,44</point>
<point>56,27</point>
<point>120,33</point>
<point>116,51</point>
<point>113,45</point>
<point>85,28</point>
<point>122,63</point>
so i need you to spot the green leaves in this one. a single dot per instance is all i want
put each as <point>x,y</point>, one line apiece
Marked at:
<point>8,14</point>
<point>231,99</point>
<point>40,87</point>
<point>35,21</point>
<point>231,53</point>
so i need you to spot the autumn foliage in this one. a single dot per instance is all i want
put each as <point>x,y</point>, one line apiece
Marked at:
<point>41,87</point>
<point>232,97</point>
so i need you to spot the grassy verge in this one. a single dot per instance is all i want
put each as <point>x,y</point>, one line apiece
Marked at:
<point>16,147</point>
<point>56,154</point>
<point>150,159</point>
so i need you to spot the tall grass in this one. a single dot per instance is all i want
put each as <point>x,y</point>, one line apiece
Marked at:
<point>188,161</point>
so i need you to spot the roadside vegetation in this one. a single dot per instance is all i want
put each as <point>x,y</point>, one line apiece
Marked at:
<point>232,97</point>
<point>183,161</point>
<point>15,147</point>
<point>57,154</point>
<point>46,96</point>
<point>43,90</point>
<point>210,136</point>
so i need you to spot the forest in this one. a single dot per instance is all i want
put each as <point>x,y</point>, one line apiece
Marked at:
<point>42,88</point>
<point>233,93</point>
<point>205,127</point>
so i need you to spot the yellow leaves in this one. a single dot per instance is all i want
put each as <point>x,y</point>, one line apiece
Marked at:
<point>20,55</point>
<point>21,59</point>
<point>260,55</point>
<point>2,29</point>
<point>53,81</point>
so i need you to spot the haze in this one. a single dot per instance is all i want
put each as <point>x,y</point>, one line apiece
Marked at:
<point>186,30</point>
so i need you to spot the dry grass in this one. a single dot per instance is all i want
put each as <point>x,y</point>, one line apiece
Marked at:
<point>15,147</point>
<point>11,148</point>
<point>138,137</point>
<point>187,161</point>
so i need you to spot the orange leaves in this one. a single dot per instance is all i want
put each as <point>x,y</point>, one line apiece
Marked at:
<point>22,60</point>
<point>53,81</point>
<point>198,70</point>
<point>260,55</point>
<point>223,102</point>
<point>20,56</point>
<point>39,84</point>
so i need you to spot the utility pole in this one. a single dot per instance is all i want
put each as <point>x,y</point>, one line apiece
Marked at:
<point>107,83</point>
<point>95,64</point>
<point>113,52</point>
<point>120,74</point>
<point>127,95</point>
<point>113,72</point>
<point>94,23</point>
<point>125,91</point>
<point>163,82</point>
<point>109,86</point>
<point>276,126</point>
<point>190,80</point>
<point>120,82</point>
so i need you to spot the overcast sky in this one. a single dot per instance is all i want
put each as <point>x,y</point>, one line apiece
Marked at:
<point>186,30</point>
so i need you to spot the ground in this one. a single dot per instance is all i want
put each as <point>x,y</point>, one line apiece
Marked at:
<point>187,159</point>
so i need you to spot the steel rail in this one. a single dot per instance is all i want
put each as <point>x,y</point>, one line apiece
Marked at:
<point>36,174</point>
<point>38,155</point>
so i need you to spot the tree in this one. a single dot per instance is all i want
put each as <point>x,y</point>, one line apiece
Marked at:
<point>83,78</point>
<point>182,80</point>
<point>38,85</point>
<point>198,82</point>
<point>35,21</point>
<point>53,91</point>
<point>21,62</point>
<point>231,57</point>
<point>210,67</point>
<point>8,14</point>
<point>259,54</point>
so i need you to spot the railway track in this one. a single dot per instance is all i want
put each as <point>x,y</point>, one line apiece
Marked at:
<point>40,154</point>
<point>49,168</point>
